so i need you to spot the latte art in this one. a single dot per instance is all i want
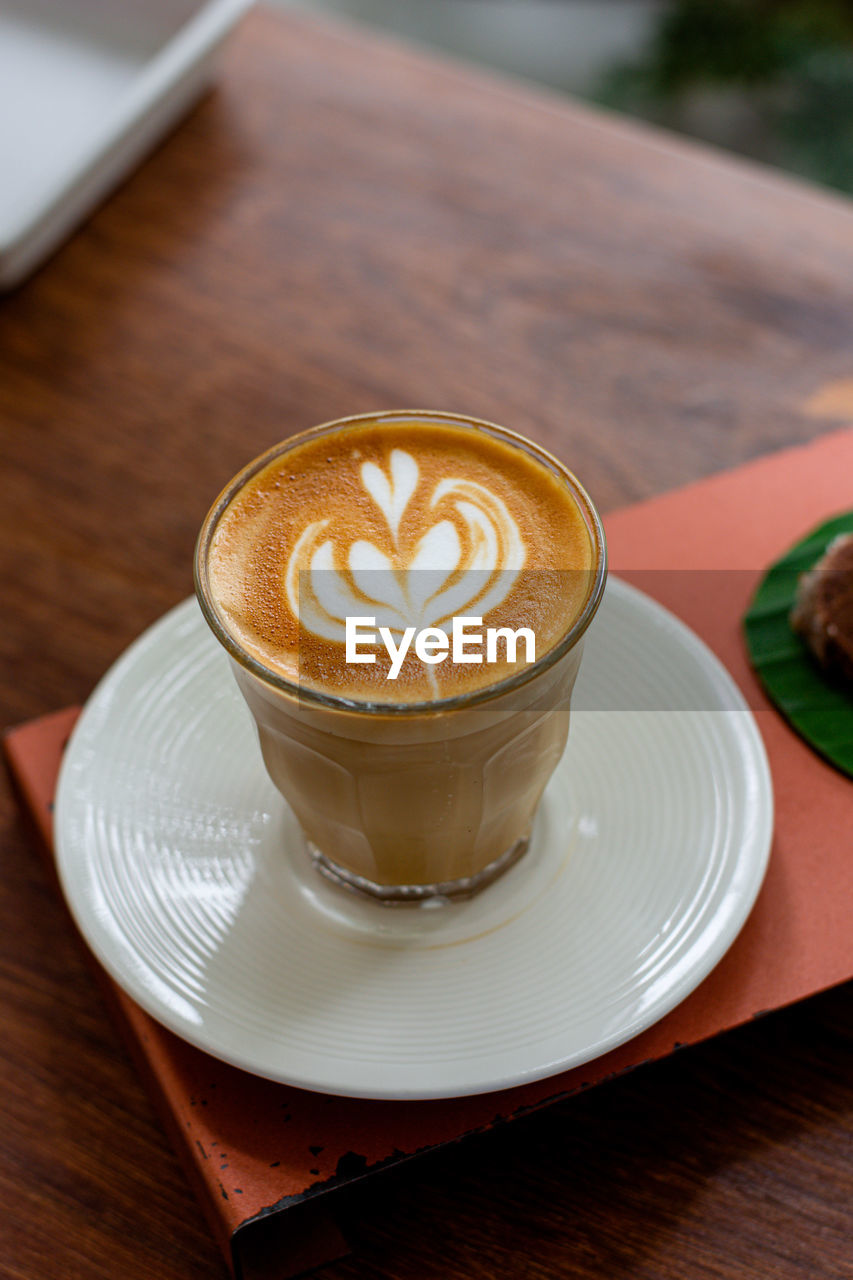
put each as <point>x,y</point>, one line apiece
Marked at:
<point>404,599</point>
<point>466,562</point>
<point>410,523</point>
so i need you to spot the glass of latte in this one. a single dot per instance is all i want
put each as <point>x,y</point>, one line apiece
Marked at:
<point>403,597</point>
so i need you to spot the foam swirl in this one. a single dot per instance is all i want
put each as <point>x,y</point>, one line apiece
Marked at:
<point>463,564</point>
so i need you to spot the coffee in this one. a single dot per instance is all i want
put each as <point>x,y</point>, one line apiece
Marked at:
<point>411,523</point>
<point>423,780</point>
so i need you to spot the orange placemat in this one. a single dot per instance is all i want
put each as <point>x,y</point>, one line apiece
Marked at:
<point>263,1156</point>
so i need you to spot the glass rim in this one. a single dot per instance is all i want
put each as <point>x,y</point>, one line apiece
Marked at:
<point>338,702</point>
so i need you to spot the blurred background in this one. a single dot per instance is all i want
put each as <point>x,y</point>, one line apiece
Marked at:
<point>772,79</point>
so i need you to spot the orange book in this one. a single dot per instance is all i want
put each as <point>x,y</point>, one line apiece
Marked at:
<point>271,1163</point>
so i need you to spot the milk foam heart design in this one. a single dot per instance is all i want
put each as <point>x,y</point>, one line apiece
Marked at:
<point>466,562</point>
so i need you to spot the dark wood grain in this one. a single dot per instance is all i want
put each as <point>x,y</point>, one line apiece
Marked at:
<point>345,226</point>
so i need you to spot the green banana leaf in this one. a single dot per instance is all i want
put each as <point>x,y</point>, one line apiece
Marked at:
<point>818,707</point>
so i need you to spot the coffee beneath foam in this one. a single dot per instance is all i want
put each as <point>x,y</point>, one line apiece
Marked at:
<point>410,523</point>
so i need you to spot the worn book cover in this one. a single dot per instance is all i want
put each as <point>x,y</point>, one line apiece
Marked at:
<point>270,1163</point>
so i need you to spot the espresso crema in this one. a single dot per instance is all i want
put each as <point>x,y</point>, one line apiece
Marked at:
<point>410,523</point>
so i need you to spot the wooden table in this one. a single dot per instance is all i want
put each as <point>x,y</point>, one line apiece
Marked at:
<point>346,225</point>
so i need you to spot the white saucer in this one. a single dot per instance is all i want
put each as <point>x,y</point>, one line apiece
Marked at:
<point>185,872</point>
